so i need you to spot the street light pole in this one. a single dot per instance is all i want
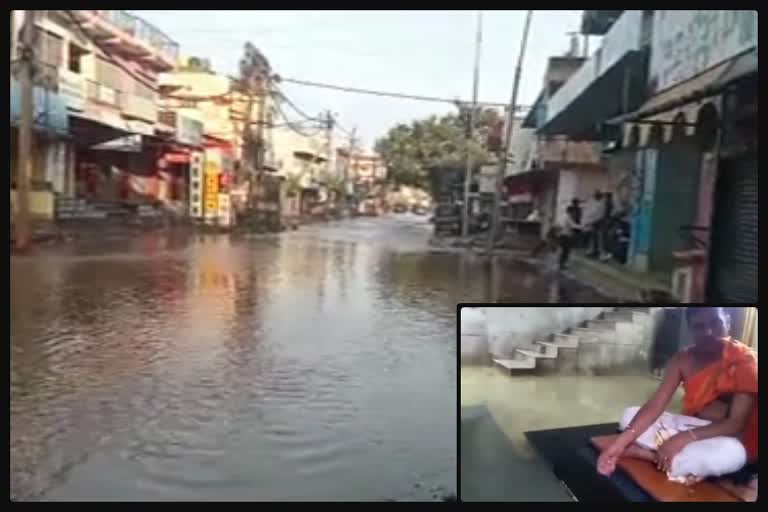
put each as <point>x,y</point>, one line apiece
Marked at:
<point>507,138</point>
<point>471,128</point>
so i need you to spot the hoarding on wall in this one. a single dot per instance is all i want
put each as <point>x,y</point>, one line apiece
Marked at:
<point>686,43</point>
<point>189,131</point>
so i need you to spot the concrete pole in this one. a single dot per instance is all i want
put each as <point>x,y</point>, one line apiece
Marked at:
<point>507,138</point>
<point>22,233</point>
<point>472,122</point>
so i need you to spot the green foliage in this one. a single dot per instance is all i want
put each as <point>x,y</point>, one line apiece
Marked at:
<point>410,151</point>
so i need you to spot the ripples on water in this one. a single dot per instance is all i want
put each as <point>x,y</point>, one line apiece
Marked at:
<point>319,364</point>
<point>298,367</point>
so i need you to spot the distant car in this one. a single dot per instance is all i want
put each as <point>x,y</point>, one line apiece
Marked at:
<point>399,208</point>
<point>419,209</point>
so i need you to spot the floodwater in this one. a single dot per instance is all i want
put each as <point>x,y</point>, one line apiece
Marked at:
<point>497,462</point>
<point>315,365</point>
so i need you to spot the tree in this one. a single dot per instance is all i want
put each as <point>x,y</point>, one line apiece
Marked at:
<point>410,151</point>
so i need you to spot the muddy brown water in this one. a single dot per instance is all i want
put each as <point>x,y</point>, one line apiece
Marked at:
<point>317,364</point>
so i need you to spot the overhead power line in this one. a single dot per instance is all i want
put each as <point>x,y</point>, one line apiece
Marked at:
<point>391,94</point>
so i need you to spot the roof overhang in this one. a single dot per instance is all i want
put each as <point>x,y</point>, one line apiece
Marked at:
<point>617,90</point>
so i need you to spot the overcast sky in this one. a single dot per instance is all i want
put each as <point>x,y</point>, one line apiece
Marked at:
<point>416,52</point>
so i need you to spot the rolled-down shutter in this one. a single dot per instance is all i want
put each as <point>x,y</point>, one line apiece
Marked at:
<point>735,243</point>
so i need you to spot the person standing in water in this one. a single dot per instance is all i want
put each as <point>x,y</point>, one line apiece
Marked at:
<point>719,376</point>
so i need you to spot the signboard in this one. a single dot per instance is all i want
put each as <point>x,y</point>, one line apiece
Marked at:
<point>195,184</point>
<point>688,42</point>
<point>50,110</point>
<point>487,179</point>
<point>211,190</point>
<point>189,131</point>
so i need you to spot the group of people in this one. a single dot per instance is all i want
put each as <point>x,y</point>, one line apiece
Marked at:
<point>593,226</point>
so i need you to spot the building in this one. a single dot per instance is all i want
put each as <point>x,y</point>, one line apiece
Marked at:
<point>303,160</point>
<point>548,170</point>
<point>672,97</point>
<point>193,91</point>
<point>103,66</point>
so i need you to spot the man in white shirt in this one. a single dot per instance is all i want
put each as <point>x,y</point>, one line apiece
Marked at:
<point>570,230</point>
<point>593,222</point>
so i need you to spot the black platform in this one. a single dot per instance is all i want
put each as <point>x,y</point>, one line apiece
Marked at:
<point>574,462</point>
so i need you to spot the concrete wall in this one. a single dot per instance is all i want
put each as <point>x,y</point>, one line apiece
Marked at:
<point>507,328</point>
<point>474,335</point>
<point>687,42</point>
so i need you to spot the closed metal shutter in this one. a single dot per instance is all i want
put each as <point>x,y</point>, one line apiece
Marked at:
<point>735,245</point>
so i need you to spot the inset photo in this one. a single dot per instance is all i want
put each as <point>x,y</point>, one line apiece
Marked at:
<point>616,404</point>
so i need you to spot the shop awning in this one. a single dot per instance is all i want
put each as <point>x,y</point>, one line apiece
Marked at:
<point>709,83</point>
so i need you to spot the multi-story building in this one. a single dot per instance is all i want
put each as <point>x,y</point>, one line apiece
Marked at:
<point>303,160</point>
<point>672,95</point>
<point>103,67</point>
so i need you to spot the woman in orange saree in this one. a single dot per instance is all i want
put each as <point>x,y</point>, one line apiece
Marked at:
<point>717,432</point>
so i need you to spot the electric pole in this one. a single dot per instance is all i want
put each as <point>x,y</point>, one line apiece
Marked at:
<point>507,138</point>
<point>26,73</point>
<point>471,128</point>
<point>350,163</point>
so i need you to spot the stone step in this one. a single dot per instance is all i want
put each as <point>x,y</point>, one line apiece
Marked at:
<point>531,353</point>
<point>545,347</point>
<point>516,364</point>
<point>567,340</point>
<point>621,316</point>
<point>601,324</point>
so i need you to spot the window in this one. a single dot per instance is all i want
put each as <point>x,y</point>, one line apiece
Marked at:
<point>76,54</point>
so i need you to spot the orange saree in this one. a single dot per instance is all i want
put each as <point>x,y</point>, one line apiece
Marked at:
<point>736,372</point>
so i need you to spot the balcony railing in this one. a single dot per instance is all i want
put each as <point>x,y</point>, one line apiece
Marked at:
<point>130,105</point>
<point>143,31</point>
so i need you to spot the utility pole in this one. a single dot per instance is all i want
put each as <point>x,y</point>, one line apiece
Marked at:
<point>22,233</point>
<point>507,138</point>
<point>471,128</point>
<point>254,80</point>
<point>350,163</point>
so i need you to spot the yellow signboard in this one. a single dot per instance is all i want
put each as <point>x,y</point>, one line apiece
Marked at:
<point>211,193</point>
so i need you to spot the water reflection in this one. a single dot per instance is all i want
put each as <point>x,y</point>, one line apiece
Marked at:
<point>230,369</point>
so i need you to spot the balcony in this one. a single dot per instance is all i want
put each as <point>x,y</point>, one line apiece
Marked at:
<point>131,36</point>
<point>137,107</point>
<point>598,90</point>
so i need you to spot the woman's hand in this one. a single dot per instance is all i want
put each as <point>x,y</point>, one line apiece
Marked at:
<point>606,463</point>
<point>671,447</point>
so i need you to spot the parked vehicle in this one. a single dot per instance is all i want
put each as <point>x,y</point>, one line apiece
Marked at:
<point>399,208</point>
<point>419,209</point>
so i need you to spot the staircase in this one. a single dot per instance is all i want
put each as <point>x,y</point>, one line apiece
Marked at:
<point>612,339</point>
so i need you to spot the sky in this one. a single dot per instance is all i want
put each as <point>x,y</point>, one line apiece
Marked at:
<point>416,52</point>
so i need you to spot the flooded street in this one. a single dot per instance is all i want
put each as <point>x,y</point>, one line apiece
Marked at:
<point>498,463</point>
<point>317,364</point>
